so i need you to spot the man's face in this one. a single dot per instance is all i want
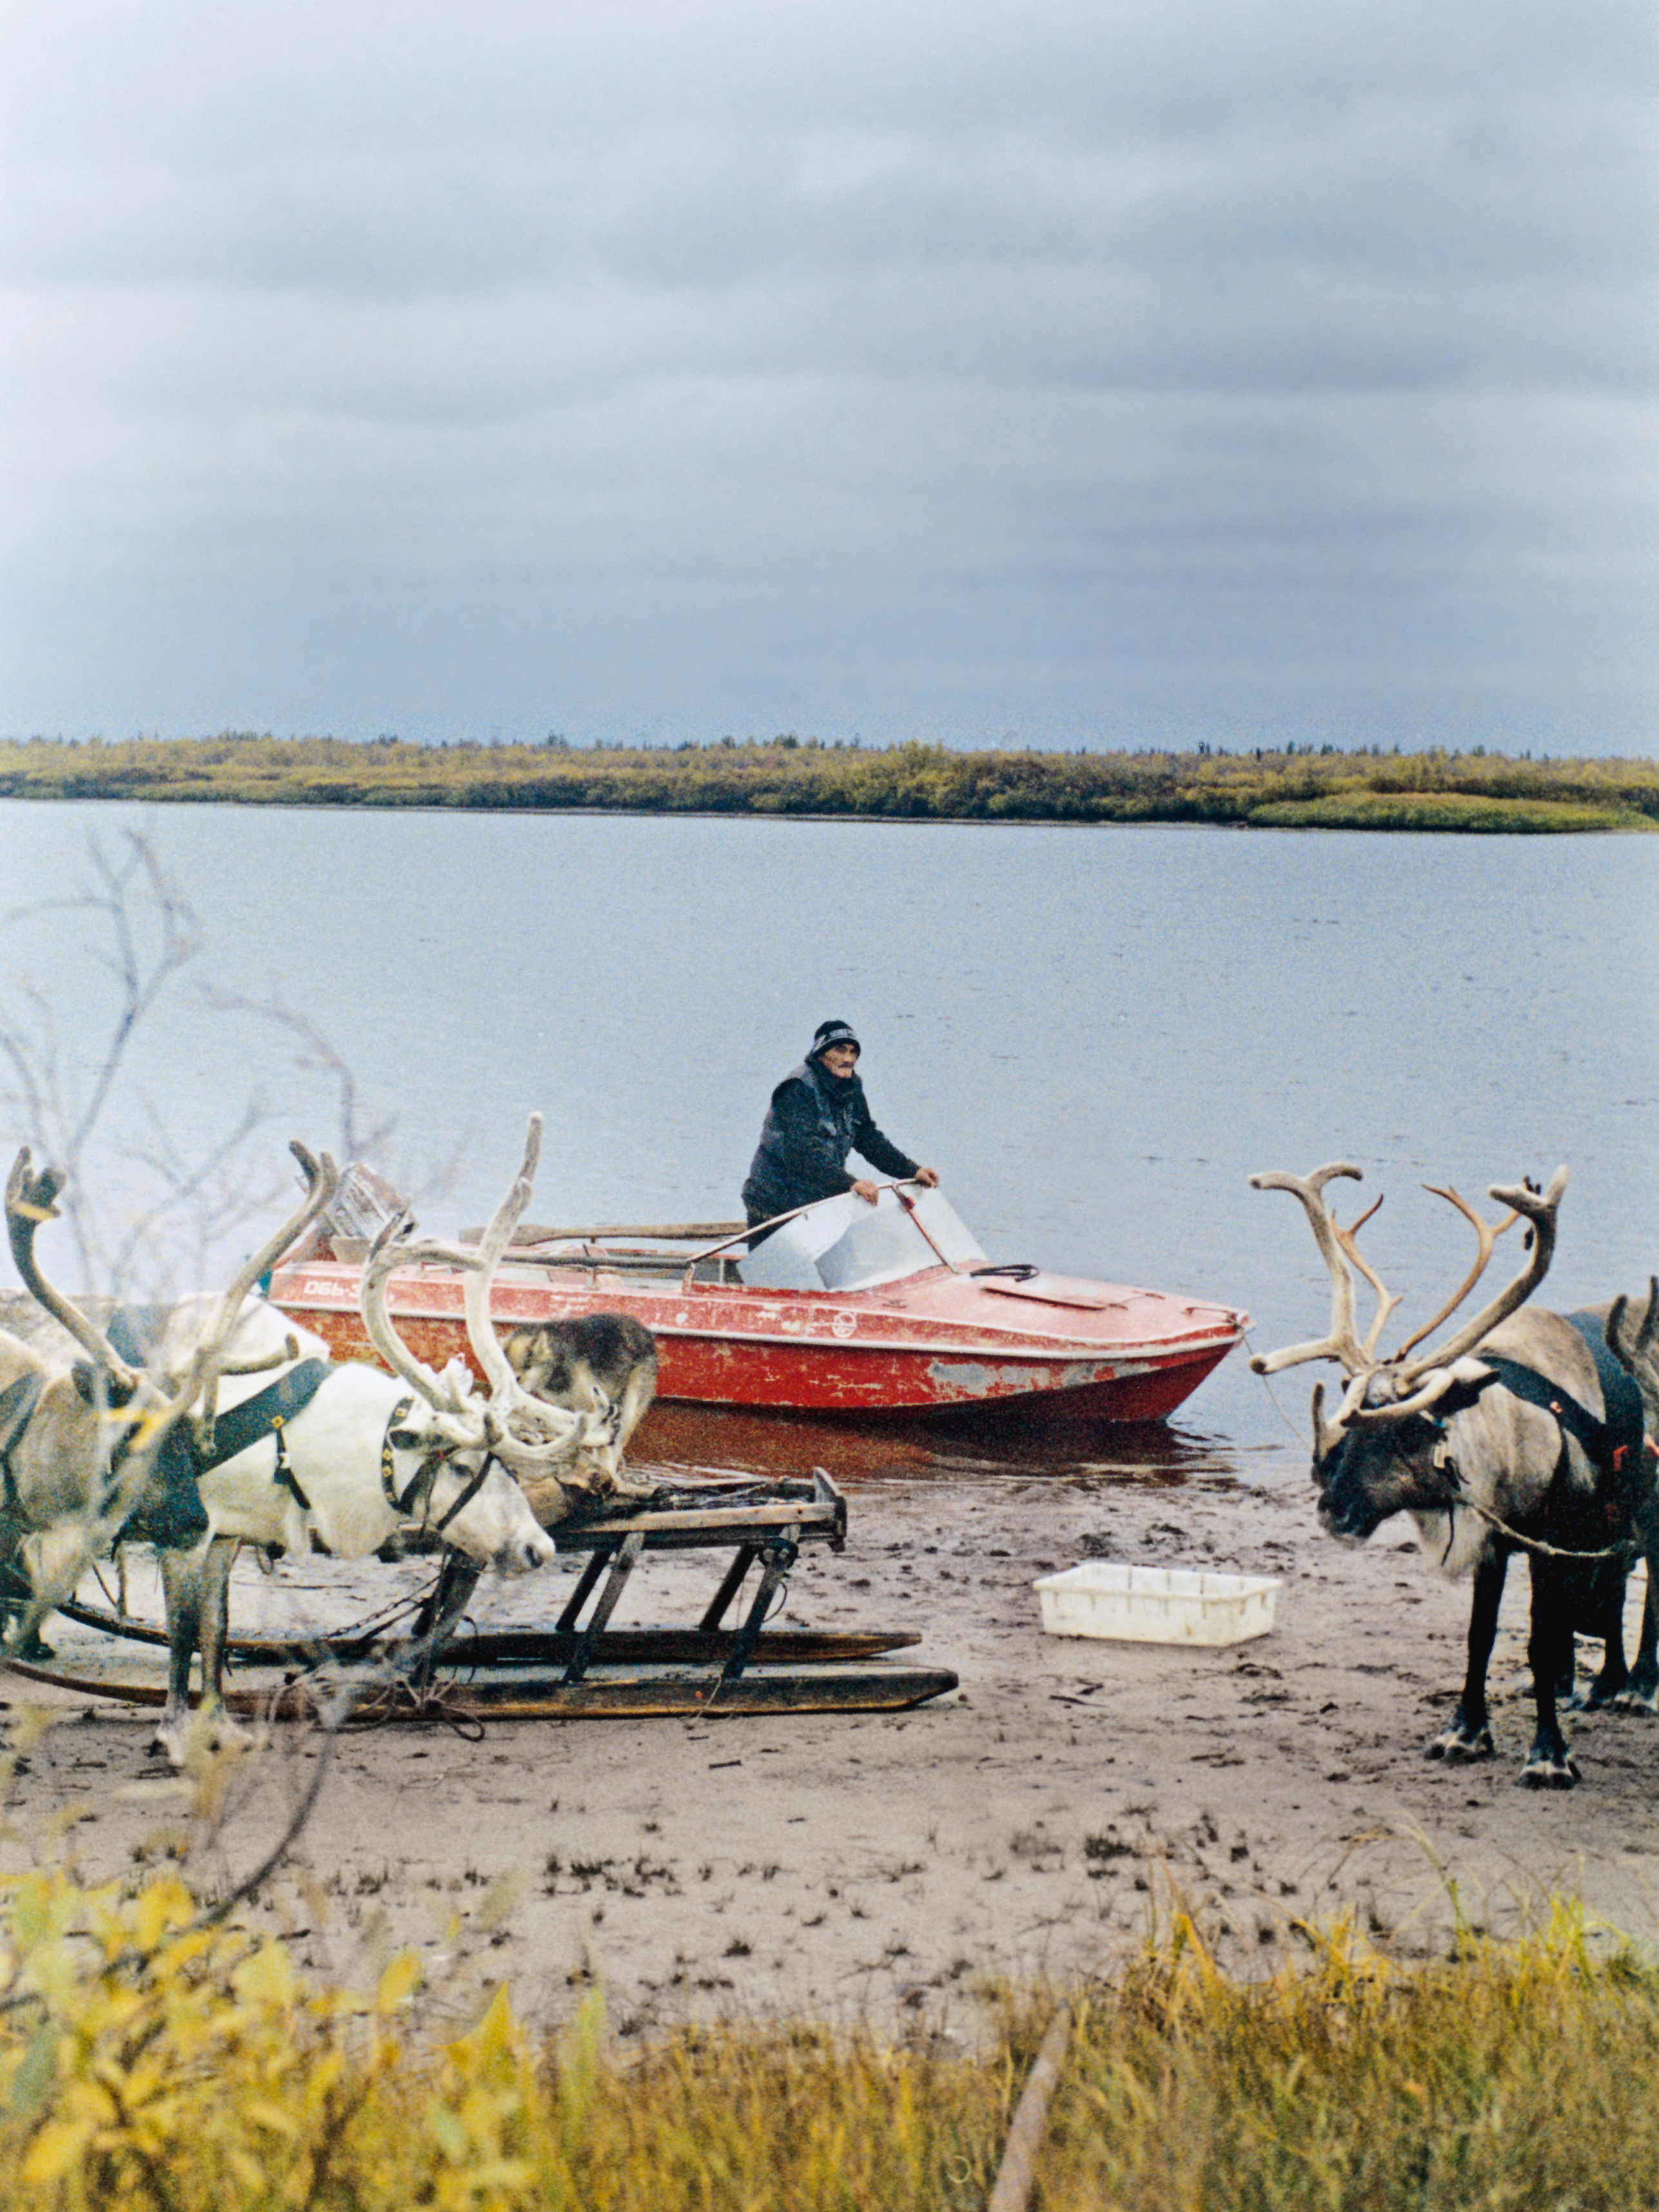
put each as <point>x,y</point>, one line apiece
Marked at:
<point>841,1060</point>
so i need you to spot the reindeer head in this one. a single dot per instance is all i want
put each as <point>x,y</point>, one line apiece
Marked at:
<point>1380,1454</point>
<point>541,1445</point>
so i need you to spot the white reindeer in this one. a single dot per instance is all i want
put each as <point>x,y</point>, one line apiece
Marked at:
<point>580,1478</point>
<point>361,1458</point>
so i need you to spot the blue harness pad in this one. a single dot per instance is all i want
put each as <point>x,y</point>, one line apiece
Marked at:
<point>1614,1446</point>
<point>258,1416</point>
<point>176,1517</point>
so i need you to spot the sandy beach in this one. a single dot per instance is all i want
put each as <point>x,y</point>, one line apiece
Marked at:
<point>1037,1824</point>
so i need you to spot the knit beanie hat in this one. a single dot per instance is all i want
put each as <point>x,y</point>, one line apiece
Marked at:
<point>829,1033</point>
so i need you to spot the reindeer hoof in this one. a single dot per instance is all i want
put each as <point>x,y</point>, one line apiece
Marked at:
<point>1637,1701</point>
<point>1595,1699</point>
<point>1549,1774</point>
<point>198,1735</point>
<point>1459,1749</point>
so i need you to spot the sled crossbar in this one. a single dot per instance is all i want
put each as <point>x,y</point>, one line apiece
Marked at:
<point>765,1522</point>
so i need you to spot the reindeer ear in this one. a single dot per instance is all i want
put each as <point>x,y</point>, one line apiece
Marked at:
<point>1471,1378</point>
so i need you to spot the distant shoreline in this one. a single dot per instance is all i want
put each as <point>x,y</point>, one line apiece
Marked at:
<point>790,778</point>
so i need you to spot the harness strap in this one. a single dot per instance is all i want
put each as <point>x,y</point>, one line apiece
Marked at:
<point>389,1462</point>
<point>469,1490</point>
<point>263,1414</point>
<point>282,1474</point>
<point>419,1491</point>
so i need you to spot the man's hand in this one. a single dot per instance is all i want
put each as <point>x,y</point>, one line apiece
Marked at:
<point>866,1190</point>
<point>928,1177</point>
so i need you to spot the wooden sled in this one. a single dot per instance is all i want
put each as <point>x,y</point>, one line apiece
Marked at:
<point>582,1668</point>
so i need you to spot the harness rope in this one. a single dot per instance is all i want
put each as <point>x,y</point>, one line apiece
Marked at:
<point>1455,1504</point>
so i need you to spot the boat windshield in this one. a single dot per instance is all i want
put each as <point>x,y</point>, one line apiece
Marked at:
<point>843,1244</point>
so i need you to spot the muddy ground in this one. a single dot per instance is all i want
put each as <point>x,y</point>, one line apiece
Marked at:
<point>866,1866</point>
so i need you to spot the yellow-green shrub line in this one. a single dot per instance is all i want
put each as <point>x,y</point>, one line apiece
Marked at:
<point>147,2060</point>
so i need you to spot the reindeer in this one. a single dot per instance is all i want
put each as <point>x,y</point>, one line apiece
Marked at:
<point>562,1369</point>
<point>353,1457</point>
<point>586,1362</point>
<point>87,1448</point>
<point>1511,1434</point>
<point>1637,1353</point>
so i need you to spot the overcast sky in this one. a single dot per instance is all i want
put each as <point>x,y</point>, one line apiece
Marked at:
<point>1067,372</point>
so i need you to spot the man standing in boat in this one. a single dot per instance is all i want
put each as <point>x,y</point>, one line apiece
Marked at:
<point>817,1117</point>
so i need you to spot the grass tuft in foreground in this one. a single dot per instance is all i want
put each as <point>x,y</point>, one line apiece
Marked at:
<point>147,2059</point>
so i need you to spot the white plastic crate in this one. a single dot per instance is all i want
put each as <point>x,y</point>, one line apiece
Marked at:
<point>1156,1605</point>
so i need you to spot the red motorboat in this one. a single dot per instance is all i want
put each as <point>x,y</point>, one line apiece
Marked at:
<point>840,1308</point>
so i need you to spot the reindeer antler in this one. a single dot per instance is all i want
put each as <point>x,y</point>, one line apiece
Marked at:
<point>1387,1300</point>
<point>1341,1340</point>
<point>207,1364</point>
<point>515,1425</point>
<point>31,1200</point>
<point>1540,1208</point>
<point>447,1393</point>
<point>1488,1233</point>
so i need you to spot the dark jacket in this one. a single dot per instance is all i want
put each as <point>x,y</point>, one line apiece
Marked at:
<point>811,1125</point>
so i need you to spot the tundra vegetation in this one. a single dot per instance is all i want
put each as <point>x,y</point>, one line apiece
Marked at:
<point>154,2054</point>
<point>1289,787</point>
<point>163,2046</point>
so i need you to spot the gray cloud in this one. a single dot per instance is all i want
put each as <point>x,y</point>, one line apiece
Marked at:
<point>695,367</point>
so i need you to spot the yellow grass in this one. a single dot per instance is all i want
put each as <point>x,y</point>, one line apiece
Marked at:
<point>148,2060</point>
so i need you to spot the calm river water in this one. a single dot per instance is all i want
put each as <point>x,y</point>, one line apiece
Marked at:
<point>1095,1034</point>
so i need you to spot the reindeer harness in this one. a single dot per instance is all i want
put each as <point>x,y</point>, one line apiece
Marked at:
<point>414,1501</point>
<point>188,1452</point>
<point>1614,1447</point>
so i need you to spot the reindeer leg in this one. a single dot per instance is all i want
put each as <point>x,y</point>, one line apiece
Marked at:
<point>216,1634</point>
<point>1549,1649</point>
<point>1641,1693</point>
<point>435,1624</point>
<point>181,1584</point>
<point>197,1587</point>
<point>17,1592</point>
<point>1605,1618</point>
<point>1469,1736</point>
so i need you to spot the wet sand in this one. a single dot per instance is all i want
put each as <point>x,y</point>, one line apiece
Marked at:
<point>1037,1824</point>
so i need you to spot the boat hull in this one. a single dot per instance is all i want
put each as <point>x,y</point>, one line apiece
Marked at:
<point>924,1350</point>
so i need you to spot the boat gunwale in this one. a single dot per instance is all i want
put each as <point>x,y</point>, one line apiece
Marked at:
<point>1011,1348</point>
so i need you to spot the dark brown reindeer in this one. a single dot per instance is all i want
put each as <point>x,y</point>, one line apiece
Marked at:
<point>1518,1432</point>
<point>1635,1345</point>
<point>588,1362</point>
